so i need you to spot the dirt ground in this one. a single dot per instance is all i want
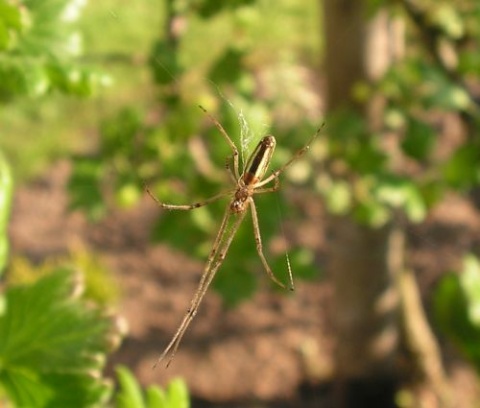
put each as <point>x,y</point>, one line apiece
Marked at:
<point>258,355</point>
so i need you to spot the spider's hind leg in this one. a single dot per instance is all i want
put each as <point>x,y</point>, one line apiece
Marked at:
<point>258,243</point>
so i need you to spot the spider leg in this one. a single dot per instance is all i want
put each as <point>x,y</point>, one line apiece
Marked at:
<point>186,207</point>
<point>258,242</point>
<point>215,260</point>
<point>275,187</point>
<point>231,173</point>
<point>228,140</point>
<point>294,158</point>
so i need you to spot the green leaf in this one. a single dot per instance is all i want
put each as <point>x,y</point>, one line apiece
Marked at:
<point>461,170</point>
<point>53,345</point>
<point>470,283</point>
<point>130,394</point>
<point>210,8</point>
<point>371,213</point>
<point>6,191</point>
<point>456,305</point>
<point>448,19</point>
<point>469,62</point>
<point>401,193</point>
<point>234,283</point>
<point>177,394</point>
<point>338,197</point>
<point>156,397</point>
<point>11,22</point>
<point>84,186</point>
<point>419,140</point>
<point>438,92</point>
<point>164,63</point>
<point>302,264</point>
<point>41,43</point>
<point>228,68</point>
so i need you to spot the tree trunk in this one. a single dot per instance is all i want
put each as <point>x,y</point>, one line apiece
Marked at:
<point>363,265</point>
<point>363,261</point>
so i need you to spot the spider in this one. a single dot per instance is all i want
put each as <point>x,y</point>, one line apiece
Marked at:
<point>246,184</point>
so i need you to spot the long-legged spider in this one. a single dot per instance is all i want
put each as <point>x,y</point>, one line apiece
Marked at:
<point>249,182</point>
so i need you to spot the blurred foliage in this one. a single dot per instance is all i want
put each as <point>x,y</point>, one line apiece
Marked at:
<point>43,72</point>
<point>37,45</point>
<point>6,191</point>
<point>130,394</point>
<point>429,86</point>
<point>53,345</point>
<point>99,283</point>
<point>245,62</point>
<point>457,308</point>
<point>251,79</point>
<point>160,144</point>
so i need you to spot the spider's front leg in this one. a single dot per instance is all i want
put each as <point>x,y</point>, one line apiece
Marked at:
<point>229,141</point>
<point>276,187</point>
<point>186,207</point>
<point>229,169</point>
<point>299,153</point>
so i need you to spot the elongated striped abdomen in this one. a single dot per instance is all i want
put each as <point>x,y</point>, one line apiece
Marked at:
<point>259,160</point>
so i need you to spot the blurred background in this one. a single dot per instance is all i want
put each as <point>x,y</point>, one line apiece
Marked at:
<point>380,220</point>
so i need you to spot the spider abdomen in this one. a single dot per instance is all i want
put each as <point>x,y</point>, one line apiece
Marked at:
<point>259,160</point>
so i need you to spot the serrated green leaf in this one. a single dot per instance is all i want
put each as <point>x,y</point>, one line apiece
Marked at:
<point>52,345</point>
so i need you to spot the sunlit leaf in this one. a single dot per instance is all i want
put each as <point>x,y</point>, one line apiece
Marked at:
<point>177,394</point>
<point>53,345</point>
<point>338,197</point>
<point>470,281</point>
<point>131,394</point>
<point>6,191</point>
<point>456,304</point>
<point>446,17</point>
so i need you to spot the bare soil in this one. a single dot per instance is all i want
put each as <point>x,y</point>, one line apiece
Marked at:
<point>272,351</point>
